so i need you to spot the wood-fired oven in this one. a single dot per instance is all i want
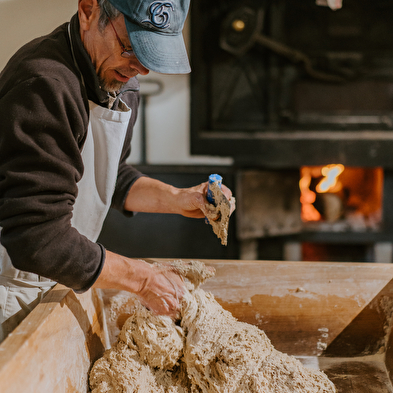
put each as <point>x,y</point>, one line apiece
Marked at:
<point>297,92</point>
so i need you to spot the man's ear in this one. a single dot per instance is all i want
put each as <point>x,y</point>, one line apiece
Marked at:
<point>86,10</point>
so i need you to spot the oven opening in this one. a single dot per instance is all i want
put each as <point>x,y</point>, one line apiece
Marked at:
<point>338,198</point>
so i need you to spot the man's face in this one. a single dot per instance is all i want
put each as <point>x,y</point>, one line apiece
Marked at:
<point>112,69</point>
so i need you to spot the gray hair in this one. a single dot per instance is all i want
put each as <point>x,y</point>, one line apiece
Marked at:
<point>107,10</point>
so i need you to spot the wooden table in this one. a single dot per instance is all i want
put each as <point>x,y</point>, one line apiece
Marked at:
<point>334,316</point>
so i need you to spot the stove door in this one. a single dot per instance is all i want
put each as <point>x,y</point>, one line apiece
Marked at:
<point>268,203</point>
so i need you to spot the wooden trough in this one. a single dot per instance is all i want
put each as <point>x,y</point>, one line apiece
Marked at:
<point>334,316</point>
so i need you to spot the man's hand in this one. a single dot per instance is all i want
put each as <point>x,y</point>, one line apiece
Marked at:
<point>159,287</point>
<point>153,196</point>
<point>162,290</point>
<point>193,202</point>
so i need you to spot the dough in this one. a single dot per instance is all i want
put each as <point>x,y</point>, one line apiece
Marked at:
<point>222,211</point>
<point>207,351</point>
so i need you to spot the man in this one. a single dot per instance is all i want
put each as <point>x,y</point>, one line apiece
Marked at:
<point>68,103</point>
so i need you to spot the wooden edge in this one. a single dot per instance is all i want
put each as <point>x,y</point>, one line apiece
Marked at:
<point>312,264</point>
<point>389,352</point>
<point>17,339</point>
<point>369,332</point>
<point>56,344</point>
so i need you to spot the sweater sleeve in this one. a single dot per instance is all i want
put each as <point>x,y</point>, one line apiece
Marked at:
<point>43,126</point>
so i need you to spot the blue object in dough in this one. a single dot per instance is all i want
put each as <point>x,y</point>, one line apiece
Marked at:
<point>212,179</point>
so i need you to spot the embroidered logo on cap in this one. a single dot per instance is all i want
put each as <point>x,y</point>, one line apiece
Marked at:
<point>160,14</point>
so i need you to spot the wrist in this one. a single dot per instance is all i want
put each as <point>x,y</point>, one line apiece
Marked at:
<point>123,273</point>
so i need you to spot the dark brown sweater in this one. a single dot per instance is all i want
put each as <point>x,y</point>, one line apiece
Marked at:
<point>44,117</point>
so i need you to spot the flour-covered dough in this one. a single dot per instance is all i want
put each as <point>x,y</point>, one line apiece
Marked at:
<point>218,215</point>
<point>207,351</point>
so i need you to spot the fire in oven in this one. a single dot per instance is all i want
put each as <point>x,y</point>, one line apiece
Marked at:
<point>343,199</point>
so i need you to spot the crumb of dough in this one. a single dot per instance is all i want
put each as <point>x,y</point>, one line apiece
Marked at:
<point>206,351</point>
<point>221,210</point>
<point>195,271</point>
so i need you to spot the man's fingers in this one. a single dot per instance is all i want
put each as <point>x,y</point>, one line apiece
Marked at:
<point>165,291</point>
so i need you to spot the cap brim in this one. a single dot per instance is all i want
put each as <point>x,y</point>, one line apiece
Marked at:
<point>162,53</point>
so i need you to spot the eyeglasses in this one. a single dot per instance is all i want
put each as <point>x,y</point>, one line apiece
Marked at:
<point>125,52</point>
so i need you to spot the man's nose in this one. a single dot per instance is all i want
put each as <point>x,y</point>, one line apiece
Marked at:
<point>136,64</point>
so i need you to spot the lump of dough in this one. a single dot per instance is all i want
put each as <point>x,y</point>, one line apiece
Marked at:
<point>145,358</point>
<point>222,210</point>
<point>211,352</point>
<point>223,354</point>
<point>157,339</point>
<point>121,370</point>
<point>195,271</point>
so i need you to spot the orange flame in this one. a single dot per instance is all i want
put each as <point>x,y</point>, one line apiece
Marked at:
<point>307,197</point>
<point>329,182</point>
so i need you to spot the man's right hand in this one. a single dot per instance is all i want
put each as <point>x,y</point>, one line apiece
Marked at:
<point>162,291</point>
<point>159,287</point>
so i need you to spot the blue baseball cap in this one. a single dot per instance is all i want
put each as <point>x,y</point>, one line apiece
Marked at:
<point>155,31</point>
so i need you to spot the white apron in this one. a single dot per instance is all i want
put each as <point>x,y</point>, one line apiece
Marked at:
<point>20,291</point>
